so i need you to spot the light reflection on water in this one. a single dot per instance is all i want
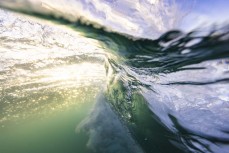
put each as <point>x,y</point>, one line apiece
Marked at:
<point>40,75</point>
<point>49,81</point>
<point>150,91</point>
<point>50,89</point>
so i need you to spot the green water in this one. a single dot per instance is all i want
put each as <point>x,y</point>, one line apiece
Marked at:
<point>85,90</point>
<point>54,133</point>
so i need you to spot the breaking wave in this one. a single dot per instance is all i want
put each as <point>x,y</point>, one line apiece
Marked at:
<point>171,92</point>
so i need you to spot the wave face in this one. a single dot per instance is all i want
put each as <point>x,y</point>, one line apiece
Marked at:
<point>181,83</point>
<point>164,95</point>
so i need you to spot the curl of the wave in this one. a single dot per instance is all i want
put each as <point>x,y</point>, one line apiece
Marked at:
<point>137,18</point>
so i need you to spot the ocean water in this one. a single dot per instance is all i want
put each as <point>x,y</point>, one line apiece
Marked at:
<point>87,77</point>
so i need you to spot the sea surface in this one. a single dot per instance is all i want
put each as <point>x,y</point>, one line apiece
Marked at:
<point>95,80</point>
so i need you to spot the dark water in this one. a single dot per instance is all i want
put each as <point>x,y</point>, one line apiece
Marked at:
<point>102,92</point>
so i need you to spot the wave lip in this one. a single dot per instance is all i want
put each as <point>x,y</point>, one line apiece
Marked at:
<point>142,19</point>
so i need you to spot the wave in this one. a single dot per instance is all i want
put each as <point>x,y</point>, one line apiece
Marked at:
<point>183,79</point>
<point>138,18</point>
<point>176,84</point>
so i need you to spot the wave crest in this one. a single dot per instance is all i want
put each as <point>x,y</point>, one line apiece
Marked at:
<point>138,18</point>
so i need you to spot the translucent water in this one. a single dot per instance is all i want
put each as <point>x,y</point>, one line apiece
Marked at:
<point>70,87</point>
